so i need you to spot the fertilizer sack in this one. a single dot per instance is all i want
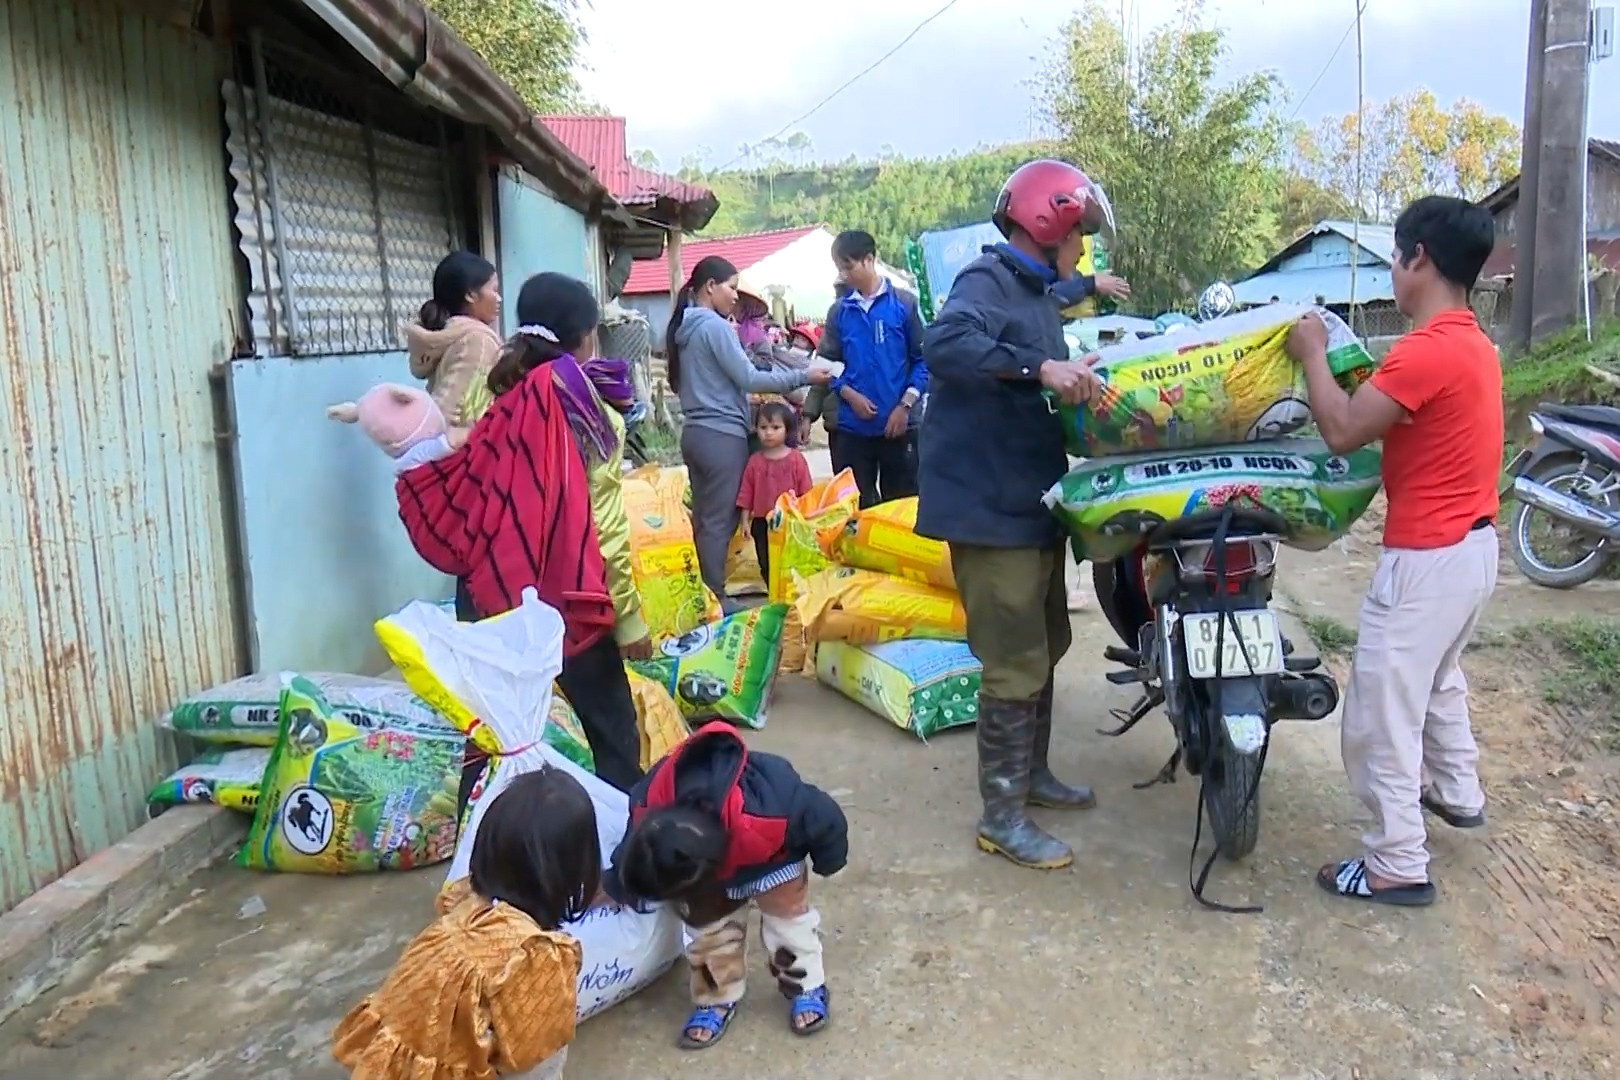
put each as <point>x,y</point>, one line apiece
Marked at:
<point>657,716</point>
<point>918,686</point>
<point>863,606</point>
<point>1109,503</point>
<point>623,949</point>
<point>221,776</point>
<point>246,711</point>
<point>884,538</point>
<point>792,528</point>
<point>339,799</point>
<point>743,575</point>
<point>1229,380</point>
<point>663,558</point>
<point>722,671</point>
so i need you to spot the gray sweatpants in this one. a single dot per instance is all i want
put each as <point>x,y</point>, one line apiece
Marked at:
<point>714,462</point>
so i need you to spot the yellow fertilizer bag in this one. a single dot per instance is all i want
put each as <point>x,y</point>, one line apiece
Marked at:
<point>792,527</point>
<point>743,576</point>
<point>341,799</point>
<point>220,776</point>
<point>884,538</point>
<point>1229,380</point>
<point>658,717</point>
<point>663,558</point>
<point>863,606</point>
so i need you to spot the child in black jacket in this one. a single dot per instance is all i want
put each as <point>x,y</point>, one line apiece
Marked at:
<point>715,829</point>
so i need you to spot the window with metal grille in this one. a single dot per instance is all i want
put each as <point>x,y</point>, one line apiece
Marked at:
<point>343,206</point>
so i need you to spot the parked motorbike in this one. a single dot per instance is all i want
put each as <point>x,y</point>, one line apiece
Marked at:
<point>1191,605</point>
<point>1568,480</point>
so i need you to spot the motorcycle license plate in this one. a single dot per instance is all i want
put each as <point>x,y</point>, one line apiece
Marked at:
<point>1512,471</point>
<point>1252,644</point>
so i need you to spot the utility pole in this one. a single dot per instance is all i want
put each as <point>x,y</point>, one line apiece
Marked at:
<point>1524,210</point>
<point>1558,269</point>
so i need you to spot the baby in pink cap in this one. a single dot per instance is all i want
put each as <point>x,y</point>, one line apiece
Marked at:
<point>403,420</point>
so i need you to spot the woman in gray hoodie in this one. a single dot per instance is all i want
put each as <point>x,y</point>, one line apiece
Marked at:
<point>713,376</point>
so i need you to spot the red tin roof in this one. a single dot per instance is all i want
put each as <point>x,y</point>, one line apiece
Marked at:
<point>652,277</point>
<point>600,142</point>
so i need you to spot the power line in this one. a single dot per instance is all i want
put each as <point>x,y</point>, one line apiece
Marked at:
<point>857,77</point>
<point>1323,73</point>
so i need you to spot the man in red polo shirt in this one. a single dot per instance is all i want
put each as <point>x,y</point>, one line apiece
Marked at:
<point>1436,401</point>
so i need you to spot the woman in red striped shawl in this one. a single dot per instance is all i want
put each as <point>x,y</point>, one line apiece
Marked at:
<point>511,509</point>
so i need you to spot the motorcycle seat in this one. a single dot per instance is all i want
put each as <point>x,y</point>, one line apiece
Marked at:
<point>1204,524</point>
<point>1598,416</point>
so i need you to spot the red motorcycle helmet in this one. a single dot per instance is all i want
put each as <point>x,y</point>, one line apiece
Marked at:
<point>1047,199</point>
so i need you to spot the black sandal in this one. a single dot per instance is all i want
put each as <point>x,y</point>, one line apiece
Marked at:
<point>1455,818</point>
<point>1348,880</point>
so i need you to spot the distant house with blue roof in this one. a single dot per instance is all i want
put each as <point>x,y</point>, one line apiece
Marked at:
<point>1317,268</point>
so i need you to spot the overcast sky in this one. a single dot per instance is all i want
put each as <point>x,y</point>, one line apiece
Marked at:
<point>963,80</point>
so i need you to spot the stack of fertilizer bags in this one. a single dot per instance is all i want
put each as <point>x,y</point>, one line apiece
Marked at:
<point>1212,416</point>
<point>348,774</point>
<point>874,611</point>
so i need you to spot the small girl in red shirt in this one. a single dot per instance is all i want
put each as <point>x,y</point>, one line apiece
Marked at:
<point>774,469</point>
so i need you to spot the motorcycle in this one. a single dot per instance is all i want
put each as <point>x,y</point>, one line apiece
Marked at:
<point>1568,478</point>
<point>1191,605</point>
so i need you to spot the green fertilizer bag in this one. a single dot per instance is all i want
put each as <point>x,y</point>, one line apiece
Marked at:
<point>1107,504</point>
<point>341,799</point>
<point>917,685</point>
<point>722,671</point>
<point>246,711</point>
<point>220,776</point>
<point>1228,380</point>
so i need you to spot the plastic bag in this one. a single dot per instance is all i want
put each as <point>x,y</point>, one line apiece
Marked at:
<point>221,776</point>
<point>1229,380</point>
<point>624,950</point>
<point>792,527</point>
<point>1108,504</point>
<point>663,558</point>
<point>247,711</point>
<point>884,538</point>
<point>862,606</point>
<point>424,642</point>
<point>339,799</point>
<point>657,716</point>
<point>723,671</point>
<point>920,686</point>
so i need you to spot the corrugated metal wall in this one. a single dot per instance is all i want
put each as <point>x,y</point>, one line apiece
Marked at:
<point>116,296</point>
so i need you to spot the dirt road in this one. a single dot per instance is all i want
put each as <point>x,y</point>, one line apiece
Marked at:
<point>947,962</point>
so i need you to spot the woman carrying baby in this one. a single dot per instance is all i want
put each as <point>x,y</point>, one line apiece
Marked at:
<point>532,500</point>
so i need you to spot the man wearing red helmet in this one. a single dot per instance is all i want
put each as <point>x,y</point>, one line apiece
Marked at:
<point>990,447</point>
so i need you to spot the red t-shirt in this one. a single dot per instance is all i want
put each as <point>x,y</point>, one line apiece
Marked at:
<point>1441,463</point>
<point>763,480</point>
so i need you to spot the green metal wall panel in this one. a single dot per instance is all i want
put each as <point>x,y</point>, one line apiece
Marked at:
<point>117,296</point>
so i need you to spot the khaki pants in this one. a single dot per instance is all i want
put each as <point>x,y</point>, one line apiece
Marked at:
<point>1017,607</point>
<point>1406,709</point>
<point>718,948</point>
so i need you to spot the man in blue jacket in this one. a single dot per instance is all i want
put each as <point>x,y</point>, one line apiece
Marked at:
<point>877,332</point>
<point>991,447</point>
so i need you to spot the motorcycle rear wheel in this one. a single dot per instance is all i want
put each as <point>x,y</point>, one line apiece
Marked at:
<point>1566,476</point>
<point>1234,816</point>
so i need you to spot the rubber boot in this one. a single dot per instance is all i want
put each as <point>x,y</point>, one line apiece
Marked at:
<point>1006,733</point>
<point>1044,788</point>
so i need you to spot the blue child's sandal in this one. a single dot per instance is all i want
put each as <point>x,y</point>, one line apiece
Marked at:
<point>706,1026</point>
<point>809,1013</point>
